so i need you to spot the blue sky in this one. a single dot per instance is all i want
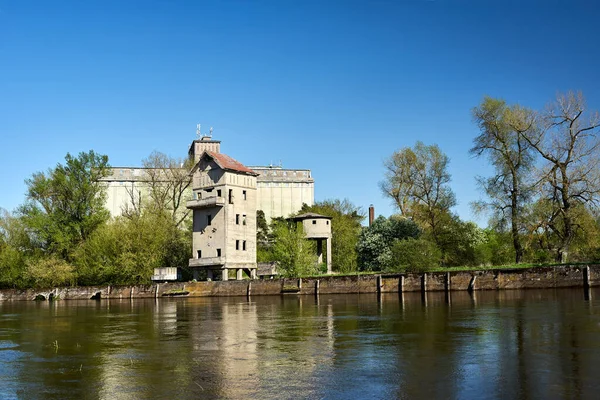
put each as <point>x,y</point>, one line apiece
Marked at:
<point>334,87</point>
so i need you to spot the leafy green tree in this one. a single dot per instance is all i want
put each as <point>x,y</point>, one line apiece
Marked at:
<point>345,229</point>
<point>375,243</point>
<point>503,142</point>
<point>296,255</point>
<point>50,272</point>
<point>414,255</point>
<point>126,250</point>
<point>66,204</point>
<point>15,249</point>
<point>417,180</point>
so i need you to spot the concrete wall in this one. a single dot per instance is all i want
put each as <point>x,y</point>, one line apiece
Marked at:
<point>545,277</point>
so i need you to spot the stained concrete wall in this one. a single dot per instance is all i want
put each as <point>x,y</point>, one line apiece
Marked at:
<point>543,277</point>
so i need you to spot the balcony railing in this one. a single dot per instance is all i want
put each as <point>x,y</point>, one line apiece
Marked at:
<point>206,202</point>
<point>206,261</point>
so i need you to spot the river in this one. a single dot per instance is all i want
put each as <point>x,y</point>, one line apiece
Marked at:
<point>529,344</point>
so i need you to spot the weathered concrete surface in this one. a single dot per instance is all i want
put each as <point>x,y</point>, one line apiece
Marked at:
<point>542,277</point>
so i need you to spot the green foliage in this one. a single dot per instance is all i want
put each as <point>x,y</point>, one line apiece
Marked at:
<point>50,272</point>
<point>375,243</point>
<point>15,248</point>
<point>414,255</point>
<point>66,204</point>
<point>126,250</point>
<point>345,229</point>
<point>296,255</point>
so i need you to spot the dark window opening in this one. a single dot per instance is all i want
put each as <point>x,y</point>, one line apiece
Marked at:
<point>237,219</point>
<point>208,219</point>
<point>230,196</point>
<point>244,194</point>
<point>219,193</point>
<point>244,219</point>
<point>327,222</point>
<point>218,252</point>
<point>314,221</point>
<point>199,253</point>
<point>244,245</point>
<point>237,244</point>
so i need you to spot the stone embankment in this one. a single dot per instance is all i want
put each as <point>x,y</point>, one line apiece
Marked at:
<point>541,277</point>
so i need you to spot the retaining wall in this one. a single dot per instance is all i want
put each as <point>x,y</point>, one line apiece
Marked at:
<point>499,279</point>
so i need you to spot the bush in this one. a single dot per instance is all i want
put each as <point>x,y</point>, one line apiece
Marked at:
<point>50,272</point>
<point>415,255</point>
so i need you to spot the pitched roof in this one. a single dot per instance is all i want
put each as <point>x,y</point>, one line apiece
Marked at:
<point>226,163</point>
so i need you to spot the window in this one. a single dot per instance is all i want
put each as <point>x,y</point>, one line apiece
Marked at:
<point>199,253</point>
<point>244,194</point>
<point>244,245</point>
<point>230,196</point>
<point>218,252</point>
<point>237,219</point>
<point>244,219</point>
<point>237,244</point>
<point>314,221</point>
<point>327,222</point>
<point>219,193</point>
<point>208,219</point>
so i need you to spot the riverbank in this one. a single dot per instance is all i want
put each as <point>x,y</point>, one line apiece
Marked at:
<point>496,279</point>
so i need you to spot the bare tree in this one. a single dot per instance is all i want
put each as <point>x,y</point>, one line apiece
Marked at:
<point>502,140</point>
<point>166,180</point>
<point>566,138</point>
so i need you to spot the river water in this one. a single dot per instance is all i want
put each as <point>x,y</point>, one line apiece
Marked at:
<point>505,345</point>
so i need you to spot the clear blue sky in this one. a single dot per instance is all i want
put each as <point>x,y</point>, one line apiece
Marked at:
<point>334,87</point>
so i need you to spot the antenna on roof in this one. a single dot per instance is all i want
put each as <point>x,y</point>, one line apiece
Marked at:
<point>198,130</point>
<point>211,130</point>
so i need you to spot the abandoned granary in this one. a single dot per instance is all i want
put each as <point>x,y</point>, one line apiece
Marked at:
<point>224,196</point>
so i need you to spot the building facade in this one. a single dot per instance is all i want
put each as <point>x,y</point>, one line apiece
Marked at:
<point>280,192</point>
<point>224,217</point>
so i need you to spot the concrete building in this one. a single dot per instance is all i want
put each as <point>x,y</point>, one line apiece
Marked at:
<point>224,215</point>
<point>317,227</point>
<point>280,191</point>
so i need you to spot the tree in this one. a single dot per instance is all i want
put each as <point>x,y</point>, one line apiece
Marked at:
<point>566,138</point>
<point>502,140</point>
<point>345,229</point>
<point>66,204</point>
<point>417,181</point>
<point>295,254</point>
<point>15,249</point>
<point>167,181</point>
<point>375,243</point>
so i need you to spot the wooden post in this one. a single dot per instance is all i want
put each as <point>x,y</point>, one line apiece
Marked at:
<point>424,282</point>
<point>156,293</point>
<point>249,292</point>
<point>472,283</point>
<point>586,277</point>
<point>379,284</point>
<point>448,282</point>
<point>300,283</point>
<point>317,285</point>
<point>401,284</point>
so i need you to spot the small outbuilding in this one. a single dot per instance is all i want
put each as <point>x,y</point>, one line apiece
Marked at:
<point>317,227</point>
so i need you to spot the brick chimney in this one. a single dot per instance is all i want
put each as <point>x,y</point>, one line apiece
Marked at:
<point>371,214</point>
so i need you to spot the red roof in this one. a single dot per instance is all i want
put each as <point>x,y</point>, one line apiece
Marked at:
<point>230,164</point>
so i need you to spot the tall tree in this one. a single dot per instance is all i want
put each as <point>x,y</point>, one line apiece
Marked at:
<point>417,180</point>
<point>66,204</point>
<point>567,140</point>
<point>166,182</point>
<point>502,141</point>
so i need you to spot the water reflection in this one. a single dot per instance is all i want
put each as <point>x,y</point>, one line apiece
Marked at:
<point>509,344</point>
